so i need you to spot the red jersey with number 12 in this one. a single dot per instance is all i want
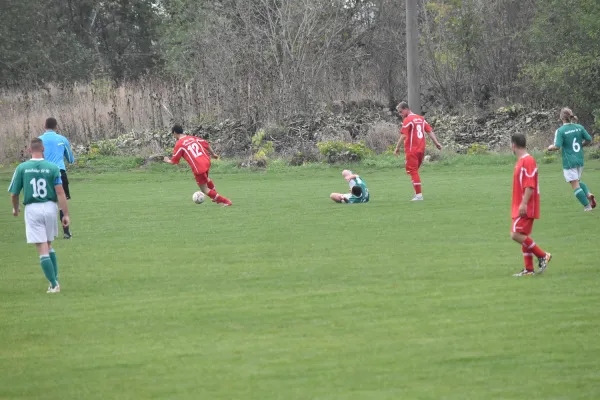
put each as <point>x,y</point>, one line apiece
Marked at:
<point>526,175</point>
<point>414,128</point>
<point>193,150</point>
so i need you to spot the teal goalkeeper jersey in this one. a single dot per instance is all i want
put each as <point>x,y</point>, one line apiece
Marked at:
<point>36,178</point>
<point>569,138</point>
<point>365,192</point>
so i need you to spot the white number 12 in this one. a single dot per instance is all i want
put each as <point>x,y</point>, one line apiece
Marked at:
<point>194,148</point>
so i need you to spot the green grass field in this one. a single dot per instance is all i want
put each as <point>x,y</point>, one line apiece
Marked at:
<point>287,295</point>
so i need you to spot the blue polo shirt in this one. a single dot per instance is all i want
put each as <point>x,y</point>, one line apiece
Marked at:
<point>57,148</point>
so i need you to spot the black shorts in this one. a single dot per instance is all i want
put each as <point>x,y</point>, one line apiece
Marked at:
<point>65,183</point>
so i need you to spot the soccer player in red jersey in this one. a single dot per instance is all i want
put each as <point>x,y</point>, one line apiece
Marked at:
<point>526,206</point>
<point>413,132</point>
<point>197,152</point>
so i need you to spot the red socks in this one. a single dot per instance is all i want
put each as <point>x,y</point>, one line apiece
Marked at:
<point>217,198</point>
<point>528,258</point>
<point>416,181</point>
<point>529,246</point>
<point>210,184</point>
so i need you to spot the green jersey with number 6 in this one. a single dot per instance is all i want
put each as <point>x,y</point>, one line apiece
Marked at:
<point>37,179</point>
<point>569,138</point>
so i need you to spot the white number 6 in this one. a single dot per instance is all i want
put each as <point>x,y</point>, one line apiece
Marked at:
<point>576,146</point>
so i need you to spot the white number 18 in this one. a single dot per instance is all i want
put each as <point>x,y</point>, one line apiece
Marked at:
<point>39,188</point>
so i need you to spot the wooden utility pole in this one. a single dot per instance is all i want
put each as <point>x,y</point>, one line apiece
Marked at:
<point>412,56</point>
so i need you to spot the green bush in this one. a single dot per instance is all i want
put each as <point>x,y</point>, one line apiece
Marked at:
<point>565,74</point>
<point>549,157</point>
<point>478,148</point>
<point>596,120</point>
<point>301,158</point>
<point>105,148</point>
<point>341,152</point>
<point>594,154</point>
<point>389,151</point>
<point>512,110</point>
<point>262,149</point>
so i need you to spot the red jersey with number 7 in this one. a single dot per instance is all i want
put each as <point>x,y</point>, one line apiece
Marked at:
<point>526,176</point>
<point>193,150</point>
<point>414,128</point>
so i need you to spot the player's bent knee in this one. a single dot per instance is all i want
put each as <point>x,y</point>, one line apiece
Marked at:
<point>516,236</point>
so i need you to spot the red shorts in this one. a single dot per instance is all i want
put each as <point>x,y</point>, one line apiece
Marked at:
<point>522,225</point>
<point>413,162</point>
<point>201,179</point>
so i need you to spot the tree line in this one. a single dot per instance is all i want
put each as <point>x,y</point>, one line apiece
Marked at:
<point>268,59</point>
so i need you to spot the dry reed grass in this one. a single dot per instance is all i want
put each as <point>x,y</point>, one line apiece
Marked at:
<point>91,112</point>
<point>88,112</point>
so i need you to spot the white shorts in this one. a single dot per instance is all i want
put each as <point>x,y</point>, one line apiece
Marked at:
<point>573,174</point>
<point>41,222</point>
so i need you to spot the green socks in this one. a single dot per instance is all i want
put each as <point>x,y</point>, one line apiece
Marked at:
<point>581,196</point>
<point>48,269</point>
<point>54,262</point>
<point>584,187</point>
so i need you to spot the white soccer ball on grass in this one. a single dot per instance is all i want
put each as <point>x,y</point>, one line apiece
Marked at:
<point>198,197</point>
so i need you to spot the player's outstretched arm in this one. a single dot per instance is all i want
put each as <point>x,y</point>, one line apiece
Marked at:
<point>15,203</point>
<point>69,152</point>
<point>177,154</point>
<point>526,197</point>
<point>587,138</point>
<point>558,140</point>
<point>435,140</point>
<point>62,204</point>
<point>211,153</point>
<point>398,145</point>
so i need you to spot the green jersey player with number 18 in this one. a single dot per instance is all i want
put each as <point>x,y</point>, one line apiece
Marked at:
<point>42,189</point>
<point>570,139</point>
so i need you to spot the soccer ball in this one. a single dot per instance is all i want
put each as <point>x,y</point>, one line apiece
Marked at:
<point>198,197</point>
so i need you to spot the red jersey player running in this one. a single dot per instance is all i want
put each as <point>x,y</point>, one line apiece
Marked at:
<point>413,130</point>
<point>526,206</point>
<point>197,152</point>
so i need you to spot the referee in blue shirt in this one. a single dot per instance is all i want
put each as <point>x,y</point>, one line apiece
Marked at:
<point>56,150</point>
